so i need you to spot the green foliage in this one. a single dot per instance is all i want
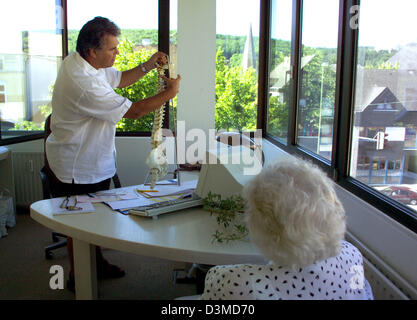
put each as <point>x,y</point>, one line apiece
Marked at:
<point>277,117</point>
<point>384,66</point>
<point>72,40</point>
<point>27,126</point>
<point>374,59</point>
<point>318,85</point>
<point>145,87</point>
<point>229,216</point>
<point>236,90</point>
<point>133,35</point>
<point>45,110</point>
<point>279,50</point>
<point>236,96</point>
<point>136,36</point>
<point>230,44</point>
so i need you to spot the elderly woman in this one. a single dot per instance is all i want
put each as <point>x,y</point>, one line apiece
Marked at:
<point>297,222</point>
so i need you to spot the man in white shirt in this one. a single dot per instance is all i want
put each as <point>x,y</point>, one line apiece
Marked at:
<point>85,110</point>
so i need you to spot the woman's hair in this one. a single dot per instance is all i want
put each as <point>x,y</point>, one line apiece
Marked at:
<point>92,34</point>
<point>293,213</point>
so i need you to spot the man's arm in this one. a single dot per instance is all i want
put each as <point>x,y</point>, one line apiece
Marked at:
<point>131,76</point>
<point>145,106</point>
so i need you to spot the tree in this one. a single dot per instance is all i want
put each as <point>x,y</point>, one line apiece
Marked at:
<point>277,117</point>
<point>236,96</point>
<point>145,87</point>
<point>318,86</point>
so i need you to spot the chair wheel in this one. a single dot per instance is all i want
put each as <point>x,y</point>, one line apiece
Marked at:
<point>49,255</point>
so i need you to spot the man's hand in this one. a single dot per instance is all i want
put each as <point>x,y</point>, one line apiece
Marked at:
<point>172,85</point>
<point>147,105</point>
<point>131,76</point>
<point>157,58</point>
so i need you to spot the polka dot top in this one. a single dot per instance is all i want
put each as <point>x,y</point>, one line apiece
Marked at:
<point>339,277</point>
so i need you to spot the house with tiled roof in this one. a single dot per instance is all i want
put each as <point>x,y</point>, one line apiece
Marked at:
<point>385,120</point>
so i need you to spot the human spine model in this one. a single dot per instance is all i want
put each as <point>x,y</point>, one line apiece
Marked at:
<point>157,160</point>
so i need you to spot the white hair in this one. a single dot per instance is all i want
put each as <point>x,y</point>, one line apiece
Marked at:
<point>293,213</point>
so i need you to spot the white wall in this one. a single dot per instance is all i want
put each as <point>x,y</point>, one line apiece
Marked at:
<point>197,63</point>
<point>30,146</point>
<point>131,155</point>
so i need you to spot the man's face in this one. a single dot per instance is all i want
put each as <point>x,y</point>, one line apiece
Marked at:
<point>104,57</point>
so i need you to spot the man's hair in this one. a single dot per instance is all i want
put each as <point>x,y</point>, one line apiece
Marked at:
<point>92,34</point>
<point>293,213</point>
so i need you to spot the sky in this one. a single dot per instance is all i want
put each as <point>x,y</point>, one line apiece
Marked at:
<point>383,24</point>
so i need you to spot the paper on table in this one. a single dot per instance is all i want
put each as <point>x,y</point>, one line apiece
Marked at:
<point>56,210</point>
<point>127,204</point>
<point>166,190</point>
<point>107,196</point>
<point>152,197</point>
<point>142,202</point>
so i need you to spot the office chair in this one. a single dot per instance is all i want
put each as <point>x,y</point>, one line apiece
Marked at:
<point>58,243</point>
<point>59,239</point>
<point>47,194</point>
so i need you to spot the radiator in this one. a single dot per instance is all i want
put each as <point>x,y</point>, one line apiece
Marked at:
<point>386,284</point>
<point>28,186</point>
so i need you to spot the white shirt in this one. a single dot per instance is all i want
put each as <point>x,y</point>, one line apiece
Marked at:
<point>339,277</point>
<point>85,111</point>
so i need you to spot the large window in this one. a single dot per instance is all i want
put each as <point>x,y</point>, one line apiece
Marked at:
<point>279,93</point>
<point>173,59</point>
<point>237,62</point>
<point>35,39</point>
<point>30,56</point>
<point>384,150</point>
<point>342,92</point>
<point>317,76</point>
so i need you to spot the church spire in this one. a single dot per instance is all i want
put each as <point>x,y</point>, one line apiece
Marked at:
<point>248,59</point>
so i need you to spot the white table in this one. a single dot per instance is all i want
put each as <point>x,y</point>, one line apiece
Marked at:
<point>179,236</point>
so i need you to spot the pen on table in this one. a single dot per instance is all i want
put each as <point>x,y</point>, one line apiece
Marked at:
<point>125,212</point>
<point>146,190</point>
<point>109,194</point>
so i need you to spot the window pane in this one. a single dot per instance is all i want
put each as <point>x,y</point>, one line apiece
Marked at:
<point>237,64</point>
<point>384,146</point>
<point>318,76</point>
<point>279,69</point>
<point>30,55</point>
<point>137,42</point>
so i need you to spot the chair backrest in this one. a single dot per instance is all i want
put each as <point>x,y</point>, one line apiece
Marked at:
<point>47,132</point>
<point>46,190</point>
<point>116,181</point>
<point>44,177</point>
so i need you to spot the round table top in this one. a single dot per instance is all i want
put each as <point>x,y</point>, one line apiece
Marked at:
<point>185,235</point>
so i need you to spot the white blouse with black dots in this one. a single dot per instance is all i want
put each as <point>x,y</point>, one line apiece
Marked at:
<point>339,277</point>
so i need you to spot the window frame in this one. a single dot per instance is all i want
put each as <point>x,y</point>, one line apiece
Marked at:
<point>338,167</point>
<point>4,90</point>
<point>163,45</point>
